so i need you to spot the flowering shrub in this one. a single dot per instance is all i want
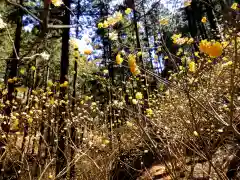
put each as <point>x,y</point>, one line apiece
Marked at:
<point>124,113</point>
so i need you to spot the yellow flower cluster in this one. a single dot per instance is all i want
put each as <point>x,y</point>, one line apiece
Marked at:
<point>212,48</point>
<point>57,2</point>
<point>187,3</point>
<point>204,19</point>
<point>149,112</point>
<point>192,67</point>
<point>234,6</point>
<point>112,20</point>
<point>164,21</point>
<point>178,39</point>
<point>65,84</point>
<point>119,59</point>
<point>132,64</point>
<point>87,51</point>
<point>74,43</point>
<point>128,11</point>
<point>139,95</point>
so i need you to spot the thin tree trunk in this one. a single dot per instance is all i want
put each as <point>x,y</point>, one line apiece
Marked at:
<point>13,64</point>
<point>146,35</point>
<point>73,132</point>
<point>136,31</point>
<point>61,159</point>
<point>141,62</point>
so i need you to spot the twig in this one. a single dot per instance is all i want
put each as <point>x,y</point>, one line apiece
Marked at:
<point>46,168</point>
<point>9,36</point>
<point>232,85</point>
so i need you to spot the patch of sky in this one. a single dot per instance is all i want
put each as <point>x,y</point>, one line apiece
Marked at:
<point>29,23</point>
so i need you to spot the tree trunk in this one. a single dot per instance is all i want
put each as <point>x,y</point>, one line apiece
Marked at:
<point>13,64</point>
<point>73,131</point>
<point>147,35</point>
<point>61,159</point>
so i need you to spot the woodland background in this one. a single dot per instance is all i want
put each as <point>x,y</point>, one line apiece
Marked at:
<point>120,90</point>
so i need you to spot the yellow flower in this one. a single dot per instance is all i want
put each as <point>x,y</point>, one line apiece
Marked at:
<point>65,84</point>
<point>57,2</point>
<point>229,63</point>
<point>139,95</point>
<point>204,46</point>
<point>21,89</point>
<point>105,24</point>
<point>128,11</point>
<point>132,64</point>
<point>50,176</point>
<point>87,51</point>
<point>113,36</point>
<point>180,41</point>
<point>30,120</point>
<point>74,43</point>
<point>215,50</point>
<point>176,36</point>
<point>106,141</point>
<point>131,60</point>
<point>177,39</point>
<point>204,19</point>
<point>136,72</point>
<point>164,21</point>
<point>118,16</point>
<point>139,54</point>
<point>100,25</point>
<point>15,124</point>
<point>234,6</point>
<point>105,71</point>
<point>195,133</point>
<point>225,58</point>
<point>86,98</point>
<point>10,80</point>
<point>196,54</point>
<point>129,124</point>
<point>119,59</point>
<point>225,44</point>
<point>15,78</point>
<point>33,68</point>
<point>134,101</point>
<point>187,3</point>
<point>133,69</point>
<point>190,41</point>
<point>149,112</point>
<point>22,71</point>
<point>76,53</point>
<point>192,66</point>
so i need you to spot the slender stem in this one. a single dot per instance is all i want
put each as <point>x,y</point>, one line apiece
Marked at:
<point>232,85</point>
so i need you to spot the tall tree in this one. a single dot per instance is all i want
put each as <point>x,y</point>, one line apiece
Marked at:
<point>61,158</point>
<point>73,131</point>
<point>13,64</point>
